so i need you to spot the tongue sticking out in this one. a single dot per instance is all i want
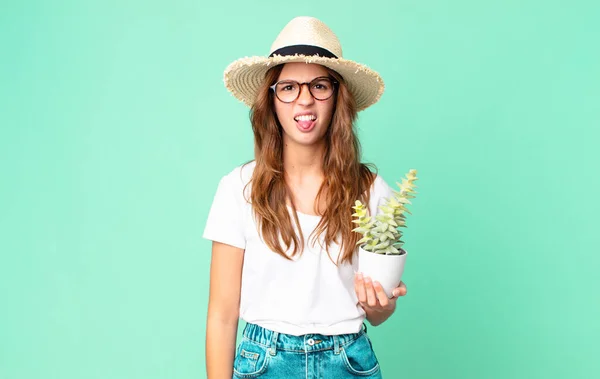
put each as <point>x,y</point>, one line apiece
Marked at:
<point>305,124</point>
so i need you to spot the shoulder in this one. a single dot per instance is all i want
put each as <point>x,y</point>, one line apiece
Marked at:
<point>241,173</point>
<point>380,187</point>
<point>238,177</point>
<point>380,190</point>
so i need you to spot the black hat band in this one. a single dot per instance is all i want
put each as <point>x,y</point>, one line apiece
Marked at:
<point>303,50</point>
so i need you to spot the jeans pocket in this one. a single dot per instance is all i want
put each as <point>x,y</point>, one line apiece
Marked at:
<point>250,361</point>
<point>359,357</point>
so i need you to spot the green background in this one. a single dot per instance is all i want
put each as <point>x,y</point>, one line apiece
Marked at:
<point>115,128</point>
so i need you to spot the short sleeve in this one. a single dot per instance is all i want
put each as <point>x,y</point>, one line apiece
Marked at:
<point>225,219</point>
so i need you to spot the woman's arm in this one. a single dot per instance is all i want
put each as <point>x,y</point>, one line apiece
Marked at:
<point>378,307</point>
<point>223,309</point>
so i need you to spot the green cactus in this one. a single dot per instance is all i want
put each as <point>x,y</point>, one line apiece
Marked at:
<point>381,235</point>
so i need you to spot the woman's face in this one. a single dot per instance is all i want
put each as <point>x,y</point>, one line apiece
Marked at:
<point>303,130</point>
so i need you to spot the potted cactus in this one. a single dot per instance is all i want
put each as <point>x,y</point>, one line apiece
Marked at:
<point>380,252</point>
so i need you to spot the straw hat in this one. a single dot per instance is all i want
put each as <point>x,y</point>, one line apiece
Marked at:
<point>304,39</point>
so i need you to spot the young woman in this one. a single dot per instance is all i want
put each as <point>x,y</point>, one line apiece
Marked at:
<point>283,253</point>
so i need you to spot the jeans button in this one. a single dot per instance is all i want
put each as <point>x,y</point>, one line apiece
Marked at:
<point>311,341</point>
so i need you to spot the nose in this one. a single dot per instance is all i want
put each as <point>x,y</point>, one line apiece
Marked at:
<point>305,97</point>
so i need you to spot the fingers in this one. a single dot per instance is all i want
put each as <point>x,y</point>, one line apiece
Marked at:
<point>401,290</point>
<point>371,296</point>
<point>364,290</point>
<point>359,287</point>
<point>381,295</point>
<point>371,293</point>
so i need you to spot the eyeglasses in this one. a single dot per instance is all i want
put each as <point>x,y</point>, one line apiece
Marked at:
<point>321,88</point>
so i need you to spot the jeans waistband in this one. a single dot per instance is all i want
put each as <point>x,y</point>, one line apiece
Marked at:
<point>275,341</point>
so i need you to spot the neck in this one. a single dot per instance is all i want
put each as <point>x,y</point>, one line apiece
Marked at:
<point>303,161</point>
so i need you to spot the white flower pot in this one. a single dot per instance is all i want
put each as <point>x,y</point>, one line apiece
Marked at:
<point>386,269</point>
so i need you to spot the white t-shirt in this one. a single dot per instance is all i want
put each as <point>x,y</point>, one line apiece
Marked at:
<point>307,295</point>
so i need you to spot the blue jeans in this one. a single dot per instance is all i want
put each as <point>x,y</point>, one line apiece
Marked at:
<point>266,354</point>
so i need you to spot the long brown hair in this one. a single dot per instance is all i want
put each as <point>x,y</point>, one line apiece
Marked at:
<point>346,178</point>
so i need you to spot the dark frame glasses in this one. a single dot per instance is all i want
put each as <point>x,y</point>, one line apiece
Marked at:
<point>280,86</point>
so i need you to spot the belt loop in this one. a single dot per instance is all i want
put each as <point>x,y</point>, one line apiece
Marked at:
<point>246,329</point>
<point>365,327</point>
<point>336,344</point>
<point>273,344</point>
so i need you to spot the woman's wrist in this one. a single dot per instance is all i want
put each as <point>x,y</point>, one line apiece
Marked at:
<point>377,317</point>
